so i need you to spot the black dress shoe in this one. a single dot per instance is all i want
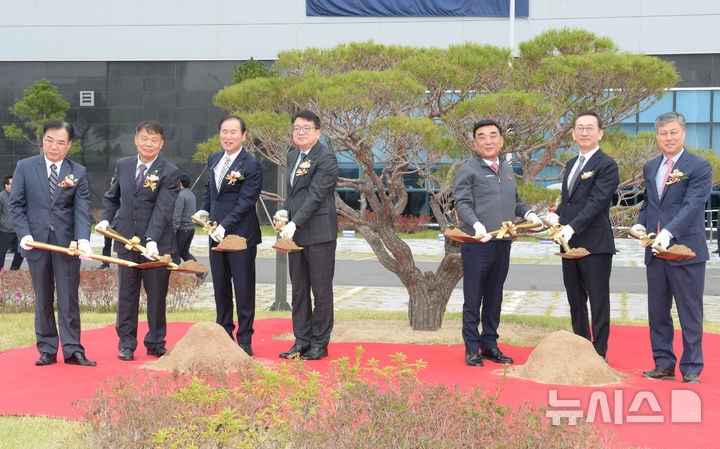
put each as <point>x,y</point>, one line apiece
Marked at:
<point>155,352</point>
<point>126,354</point>
<point>246,347</point>
<point>78,358</point>
<point>691,378</point>
<point>496,356</point>
<point>296,349</point>
<point>659,373</point>
<point>315,353</point>
<point>472,358</point>
<point>46,359</point>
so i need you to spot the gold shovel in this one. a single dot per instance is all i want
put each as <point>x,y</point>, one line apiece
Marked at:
<point>134,244</point>
<point>72,250</point>
<point>570,253</point>
<point>228,244</point>
<point>508,229</point>
<point>676,252</point>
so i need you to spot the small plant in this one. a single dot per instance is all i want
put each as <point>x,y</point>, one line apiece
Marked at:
<point>16,292</point>
<point>358,404</point>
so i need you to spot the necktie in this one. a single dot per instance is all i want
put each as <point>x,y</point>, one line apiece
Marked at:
<point>661,187</point>
<point>52,180</point>
<point>576,175</point>
<point>303,156</point>
<point>140,175</point>
<point>221,174</point>
<point>495,166</point>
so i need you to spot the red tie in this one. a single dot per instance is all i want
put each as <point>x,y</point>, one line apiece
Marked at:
<point>669,163</point>
<point>495,166</point>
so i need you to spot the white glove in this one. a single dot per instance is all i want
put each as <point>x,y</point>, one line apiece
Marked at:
<point>201,213</point>
<point>552,218</point>
<point>102,226</point>
<point>481,232</point>
<point>218,234</point>
<point>662,241</point>
<point>85,250</point>
<point>566,233</point>
<point>288,231</point>
<point>532,216</point>
<point>638,229</point>
<point>281,213</point>
<point>24,240</point>
<point>152,250</point>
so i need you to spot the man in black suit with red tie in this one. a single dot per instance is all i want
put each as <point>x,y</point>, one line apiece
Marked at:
<point>142,194</point>
<point>231,193</point>
<point>590,180</point>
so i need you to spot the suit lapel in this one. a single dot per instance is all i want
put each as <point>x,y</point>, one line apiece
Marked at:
<point>41,173</point>
<point>292,160</point>
<point>680,166</point>
<point>654,167</point>
<point>65,170</point>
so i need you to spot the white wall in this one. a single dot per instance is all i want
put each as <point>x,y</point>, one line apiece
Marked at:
<point>102,30</point>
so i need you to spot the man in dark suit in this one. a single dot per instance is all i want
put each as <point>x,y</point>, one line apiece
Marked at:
<point>55,211</point>
<point>485,194</point>
<point>310,207</point>
<point>142,194</point>
<point>677,186</point>
<point>231,193</point>
<point>8,237</point>
<point>590,181</point>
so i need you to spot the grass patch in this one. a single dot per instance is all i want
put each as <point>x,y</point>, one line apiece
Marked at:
<point>21,432</point>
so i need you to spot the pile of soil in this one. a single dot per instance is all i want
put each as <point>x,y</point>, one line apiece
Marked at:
<point>677,252</point>
<point>165,258</point>
<point>564,358</point>
<point>193,266</point>
<point>286,246</point>
<point>574,253</point>
<point>231,243</point>
<point>204,346</point>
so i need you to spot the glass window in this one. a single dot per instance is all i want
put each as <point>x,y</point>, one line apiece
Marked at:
<point>694,105</point>
<point>716,110</point>
<point>715,137</point>
<point>665,104</point>
<point>628,128</point>
<point>698,136</point>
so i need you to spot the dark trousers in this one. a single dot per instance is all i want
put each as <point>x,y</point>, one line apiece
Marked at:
<point>312,269</point>
<point>485,267</point>
<point>155,281</point>
<point>183,239</point>
<point>589,278</point>
<point>234,270</point>
<point>686,283</point>
<point>56,271</point>
<point>9,240</point>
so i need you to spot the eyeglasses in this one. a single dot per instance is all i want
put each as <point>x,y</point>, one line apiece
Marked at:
<point>581,129</point>
<point>152,140</point>
<point>59,143</point>
<point>305,129</point>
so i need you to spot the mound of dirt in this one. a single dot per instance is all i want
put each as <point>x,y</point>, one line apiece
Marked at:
<point>204,346</point>
<point>580,364</point>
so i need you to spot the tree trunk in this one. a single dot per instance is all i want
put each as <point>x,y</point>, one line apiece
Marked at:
<point>427,305</point>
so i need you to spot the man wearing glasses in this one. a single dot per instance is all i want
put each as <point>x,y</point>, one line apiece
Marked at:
<point>55,211</point>
<point>590,181</point>
<point>310,207</point>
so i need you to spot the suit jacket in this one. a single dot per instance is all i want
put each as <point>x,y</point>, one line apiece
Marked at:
<point>32,210</point>
<point>485,196</point>
<point>587,207</point>
<point>310,200</point>
<point>144,212</point>
<point>681,209</point>
<point>233,206</point>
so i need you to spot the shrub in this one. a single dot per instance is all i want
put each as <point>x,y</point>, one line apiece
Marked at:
<point>356,405</point>
<point>16,292</point>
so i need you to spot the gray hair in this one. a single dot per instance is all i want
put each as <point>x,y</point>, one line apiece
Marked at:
<point>664,119</point>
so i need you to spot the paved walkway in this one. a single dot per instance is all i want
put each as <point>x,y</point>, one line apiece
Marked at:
<point>549,303</point>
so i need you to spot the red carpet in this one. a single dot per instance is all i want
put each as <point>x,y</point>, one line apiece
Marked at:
<point>27,389</point>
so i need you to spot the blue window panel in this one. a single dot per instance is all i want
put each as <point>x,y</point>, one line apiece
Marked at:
<point>698,136</point>
<point>716,109</point>
<point>715,138</point>
<point>631,119</point>
<point>665,104</point>
<point>628,128</point>
<point>646,127</point>
<point>694,105</point>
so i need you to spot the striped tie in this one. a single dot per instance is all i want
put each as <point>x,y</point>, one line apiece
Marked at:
<point>52,180</point>
<point>222,172</point>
